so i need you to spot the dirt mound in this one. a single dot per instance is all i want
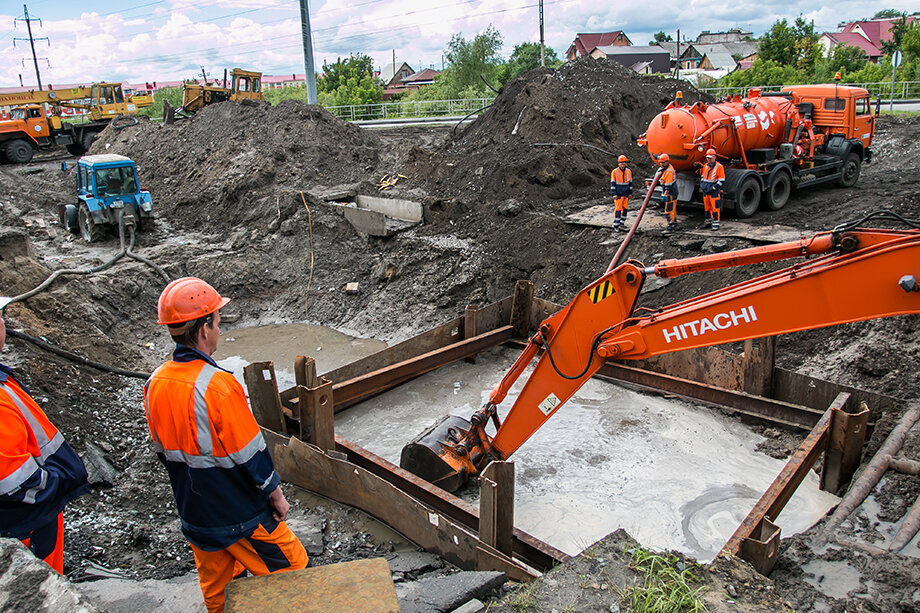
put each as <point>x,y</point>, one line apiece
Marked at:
<point>553,134</point>
<point>229,157</point>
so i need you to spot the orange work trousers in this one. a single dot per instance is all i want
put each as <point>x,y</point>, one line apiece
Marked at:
<point>47,543</point>
<point>261,553</point>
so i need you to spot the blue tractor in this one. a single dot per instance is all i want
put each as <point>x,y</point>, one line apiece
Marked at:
<point>108,194</point>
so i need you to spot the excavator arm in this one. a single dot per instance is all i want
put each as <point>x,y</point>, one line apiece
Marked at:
<point>850,276</point>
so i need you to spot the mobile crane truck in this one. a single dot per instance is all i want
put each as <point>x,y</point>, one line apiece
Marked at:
<point>850,274</point>
<point>29,128</point>
<point>769,142</point>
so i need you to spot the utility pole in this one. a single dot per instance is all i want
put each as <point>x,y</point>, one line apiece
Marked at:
<point>29,20</point>
<point>310,76</point>
<point>677,66</point>
<point>542,52</point>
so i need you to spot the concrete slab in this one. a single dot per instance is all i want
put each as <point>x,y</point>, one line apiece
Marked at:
<point>447,592</point>
<point>413,562</point>
<point>28,584</point>
<point>178,595</point>
<point>601,216</point>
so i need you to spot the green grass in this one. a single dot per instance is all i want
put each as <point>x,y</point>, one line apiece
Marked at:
<point>667,585</point>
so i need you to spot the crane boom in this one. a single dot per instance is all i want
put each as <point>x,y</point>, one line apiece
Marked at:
<point>854,275</point>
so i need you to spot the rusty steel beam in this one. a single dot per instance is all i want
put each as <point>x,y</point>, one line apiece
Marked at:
<point>352,391</point>
<point>783,487</point>
<point>531,550</point>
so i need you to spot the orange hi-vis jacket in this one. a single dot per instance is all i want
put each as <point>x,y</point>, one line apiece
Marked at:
<point>668,181</point>
<point>204,433</point>
<point>621,182</point>
<point>39,472</point>
<point>712,176</point>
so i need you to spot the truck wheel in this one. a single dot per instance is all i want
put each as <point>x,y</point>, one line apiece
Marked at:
<point>87,140</point>
<point>91,231</point>
<point>18,151</point>
<point>76,149</point>
<point>747,198</point>
<point>777,193</point>
<point>849,172</point>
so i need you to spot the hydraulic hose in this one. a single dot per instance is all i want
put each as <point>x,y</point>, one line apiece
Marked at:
<point>73,357</point>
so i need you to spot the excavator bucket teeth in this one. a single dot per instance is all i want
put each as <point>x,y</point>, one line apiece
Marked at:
<point>431,454</point>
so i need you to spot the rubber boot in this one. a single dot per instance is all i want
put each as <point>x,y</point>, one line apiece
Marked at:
<point>671,229</point>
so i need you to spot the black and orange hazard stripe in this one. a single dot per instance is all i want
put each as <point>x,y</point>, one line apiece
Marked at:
<point>601,291</point>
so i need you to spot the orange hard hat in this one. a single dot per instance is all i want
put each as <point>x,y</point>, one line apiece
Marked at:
<point>622,158</point>
<point>664,157</point>
<point>187,299</point>
<point>710,152</point>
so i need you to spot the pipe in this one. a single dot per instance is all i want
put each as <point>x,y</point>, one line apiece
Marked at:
<point>908,529</point>
<point>635,226</point>
<point>870,475</point>
<point>73,357</point>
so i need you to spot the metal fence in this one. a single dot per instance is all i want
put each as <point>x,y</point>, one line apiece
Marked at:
<point>903,90</point>
<point>415,108</point>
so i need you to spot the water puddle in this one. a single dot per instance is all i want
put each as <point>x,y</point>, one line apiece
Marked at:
<point>281,343</point>
<point>672,474</point>
<point>833,579</point>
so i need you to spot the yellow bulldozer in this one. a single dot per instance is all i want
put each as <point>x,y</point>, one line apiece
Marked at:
<point>244,85</point>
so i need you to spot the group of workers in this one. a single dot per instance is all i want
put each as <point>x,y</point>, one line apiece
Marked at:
<point>226,490</point>
<point>712,178</point>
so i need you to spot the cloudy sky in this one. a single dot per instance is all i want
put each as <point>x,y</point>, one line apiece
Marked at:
<point>161,40</point>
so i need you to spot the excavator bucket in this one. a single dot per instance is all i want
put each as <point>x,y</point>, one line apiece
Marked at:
<point>432,457</point>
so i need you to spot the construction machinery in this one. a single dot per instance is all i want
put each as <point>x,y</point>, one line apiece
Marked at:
<point>769,142</point>
<point>244,85</point>
<point>108,194</point>
<point>849,274</point>
<point>30,128</point>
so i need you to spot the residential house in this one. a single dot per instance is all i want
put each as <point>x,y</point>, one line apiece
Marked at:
<point>393,74</point>
<point>409,83</point>
<point>644,60</point>
<point>866,35</point>
<point>585,43</point>
<point>734,35</point>
<point>721,56</point>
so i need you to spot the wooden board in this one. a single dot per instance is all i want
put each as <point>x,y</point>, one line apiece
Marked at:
<point>359,586</point>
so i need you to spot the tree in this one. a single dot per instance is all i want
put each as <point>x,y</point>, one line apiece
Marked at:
<point>526,56</point>
<point>349,81</point>
<point>846,59</point>
<point>470,62</point>
<point>888,14</point>
<point>762,72</point>
<point>791,45</point>
<point>661,37</point>
<point>899,30</point>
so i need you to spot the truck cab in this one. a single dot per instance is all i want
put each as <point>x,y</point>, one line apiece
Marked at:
<point>839,109</point>
<point>107,189</point>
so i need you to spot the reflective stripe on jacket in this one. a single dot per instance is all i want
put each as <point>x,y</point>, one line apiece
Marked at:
<point>712,176</point>
<point>621,182</point>
<point>205,435</point>
<point>39,472</point>
<point>669,181</point>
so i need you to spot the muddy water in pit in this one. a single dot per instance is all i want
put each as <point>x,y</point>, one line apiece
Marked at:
<point>281,343</point>
<point>672,474</point>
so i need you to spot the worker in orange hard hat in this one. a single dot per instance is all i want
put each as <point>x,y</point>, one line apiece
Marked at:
<point>39,472</point>
<point>621,190</point>
<point>668,184</point>
<point>225,485</point>
<point>712,177</point>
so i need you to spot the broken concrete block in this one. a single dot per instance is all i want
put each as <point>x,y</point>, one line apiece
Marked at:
<point>473,606</point>
<point>309,532</point>
<point>414,562</point>
<point>351,288</point>
<point>447,592</point>
<point>28,584</point>
<point>98,468</point>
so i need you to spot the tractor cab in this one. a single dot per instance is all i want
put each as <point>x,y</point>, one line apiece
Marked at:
<point>107,191</point>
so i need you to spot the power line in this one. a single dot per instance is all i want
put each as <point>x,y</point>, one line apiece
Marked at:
<point>31,40</point>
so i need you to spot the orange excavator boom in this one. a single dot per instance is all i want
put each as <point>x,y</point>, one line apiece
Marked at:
<point>851,275</point>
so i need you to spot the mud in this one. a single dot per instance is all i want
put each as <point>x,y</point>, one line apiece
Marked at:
<point>239,194</point>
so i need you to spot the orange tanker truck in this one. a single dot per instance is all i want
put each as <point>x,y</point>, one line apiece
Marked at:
<point>770,143</point>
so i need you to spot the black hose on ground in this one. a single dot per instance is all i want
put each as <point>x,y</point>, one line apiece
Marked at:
<point>73,357</point>
<point>125,250</point>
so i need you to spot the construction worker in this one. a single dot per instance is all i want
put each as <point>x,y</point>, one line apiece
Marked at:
<point>712,176</point>
<point>39,472</point>
<point>668,182</point>
<point>223,480</point>
<point>621,190</point>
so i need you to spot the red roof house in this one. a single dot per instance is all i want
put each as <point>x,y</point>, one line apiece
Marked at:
<point>585,43</point>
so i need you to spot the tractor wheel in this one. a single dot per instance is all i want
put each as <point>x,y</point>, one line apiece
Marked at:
<point>18,151</point>
<point>747,198</point>
<point>777,193</point>
<point>91,231</point>
<point>849,173</point>
<point>87,140</point>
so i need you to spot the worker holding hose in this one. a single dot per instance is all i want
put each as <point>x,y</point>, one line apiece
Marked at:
<point>39,472</point>
<point>223,480</point>
<point>621,190</point>
<point>712,176</point>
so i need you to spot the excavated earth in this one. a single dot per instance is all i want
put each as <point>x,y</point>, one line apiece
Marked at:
<point>241,195</point>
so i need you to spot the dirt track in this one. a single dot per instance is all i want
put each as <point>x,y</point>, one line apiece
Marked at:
<point>230,189</point>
